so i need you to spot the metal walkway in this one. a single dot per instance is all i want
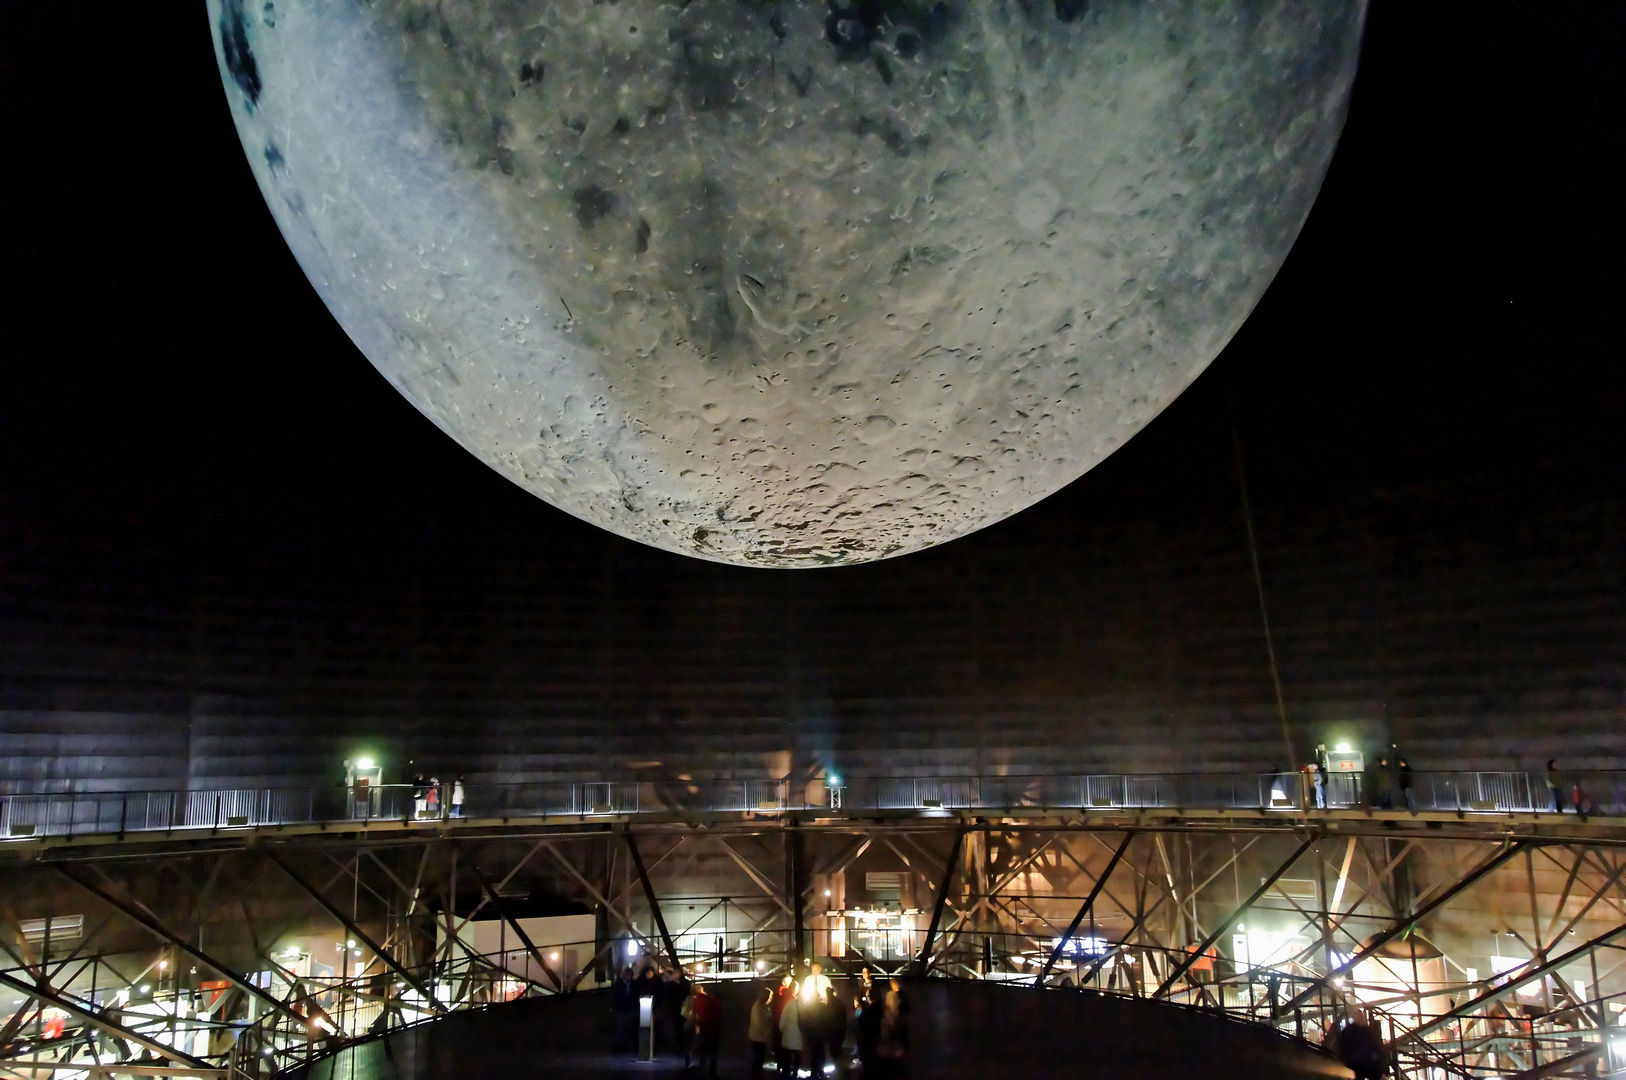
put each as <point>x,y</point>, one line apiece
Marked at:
<point>119,814</point>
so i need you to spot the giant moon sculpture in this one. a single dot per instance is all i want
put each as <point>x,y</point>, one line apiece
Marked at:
<point>789,283</point>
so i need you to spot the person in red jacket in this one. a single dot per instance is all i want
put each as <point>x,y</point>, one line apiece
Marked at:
<point>781,994</point>
<point>708,1029</point>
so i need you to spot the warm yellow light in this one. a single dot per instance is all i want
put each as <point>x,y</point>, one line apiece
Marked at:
<point>364,763</point>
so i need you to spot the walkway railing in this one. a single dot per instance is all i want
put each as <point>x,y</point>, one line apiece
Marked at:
<point>120,812</point>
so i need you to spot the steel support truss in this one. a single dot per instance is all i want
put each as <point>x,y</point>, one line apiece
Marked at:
<point>1476,952</point>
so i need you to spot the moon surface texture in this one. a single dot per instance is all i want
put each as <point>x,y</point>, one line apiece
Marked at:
<point>789,284</point>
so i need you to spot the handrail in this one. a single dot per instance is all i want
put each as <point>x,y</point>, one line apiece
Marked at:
<point>27,816</point>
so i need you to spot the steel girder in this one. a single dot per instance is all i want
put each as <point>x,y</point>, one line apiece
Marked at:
<point>1309,956</point>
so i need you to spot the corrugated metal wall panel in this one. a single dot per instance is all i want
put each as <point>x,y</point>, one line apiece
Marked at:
<point>1491,644</point>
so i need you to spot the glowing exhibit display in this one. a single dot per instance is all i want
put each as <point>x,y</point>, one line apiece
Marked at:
<point>789,285</point>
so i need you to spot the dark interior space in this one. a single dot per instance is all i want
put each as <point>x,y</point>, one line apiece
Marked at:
<point>228,549</point>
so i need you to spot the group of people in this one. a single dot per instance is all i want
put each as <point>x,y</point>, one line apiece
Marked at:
<point>1391,776</point>
<point>1578,799</point>
<point>798,1025</point>
<point>1388,785</point>
<point>804,1024</point>
<point>666,991</point>
<point>431,799</point>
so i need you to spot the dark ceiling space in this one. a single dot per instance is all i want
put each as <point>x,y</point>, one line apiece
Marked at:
<point>211,506</point>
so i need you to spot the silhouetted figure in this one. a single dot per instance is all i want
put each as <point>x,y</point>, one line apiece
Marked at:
<point>1405,786</point>
<point>894,1043</point>
<point>760,1030</point>
<point>1386,795</point>
<point>867,1036</point>
<point>687,1038</point>
<point>671,990</point>
<point>1361,1049</point>
<point>835,1028</point>
<point>624,1006</point>
<point>1555,786</point>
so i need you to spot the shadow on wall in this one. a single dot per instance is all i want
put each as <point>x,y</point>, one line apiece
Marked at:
<point>960,1031</point>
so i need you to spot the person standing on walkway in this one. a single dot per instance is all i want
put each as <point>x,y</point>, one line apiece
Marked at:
<point>1319,777</point>
<point>708,1030</point>
<point>785,991</point>
<point>670,991</point>
<point>782,993</point>
<point>836,1020</point>
<point>1360,1047</point>
<point>624,1006</point>
<point>759,1030</point>
<point>867,1037</point>
<point>431,798</point>
<point>688,1037</point>
<point>1555,786</point>
<point>790,1037</point>
<point>894,1045</point>
<point>1405,786</point>
<point>647,985</point>
<point>457,796</point>
<point>1581,800</point>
